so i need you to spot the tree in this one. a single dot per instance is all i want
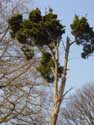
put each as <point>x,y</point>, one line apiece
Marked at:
<point>79,109</point>
<point>40,37</point>
<point>16,86</point>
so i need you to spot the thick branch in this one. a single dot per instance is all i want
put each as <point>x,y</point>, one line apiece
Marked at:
<point>64,72</point>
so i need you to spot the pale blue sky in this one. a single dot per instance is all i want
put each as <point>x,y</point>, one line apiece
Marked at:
<point>81,71</point>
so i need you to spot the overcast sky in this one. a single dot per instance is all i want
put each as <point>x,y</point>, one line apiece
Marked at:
<point>81,71</point>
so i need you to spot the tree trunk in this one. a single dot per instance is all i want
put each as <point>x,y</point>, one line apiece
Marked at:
<point>58,96</point>
<point>55,113</point>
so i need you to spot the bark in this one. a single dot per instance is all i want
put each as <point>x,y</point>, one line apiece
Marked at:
<point>58,96</point>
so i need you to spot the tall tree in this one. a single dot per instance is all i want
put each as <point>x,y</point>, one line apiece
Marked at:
<point>40,38</point>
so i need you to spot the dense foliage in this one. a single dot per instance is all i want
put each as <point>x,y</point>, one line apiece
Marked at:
<point>38,31</point>
<point>84,35</point>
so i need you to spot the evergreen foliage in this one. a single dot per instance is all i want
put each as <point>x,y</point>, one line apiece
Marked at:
<point>42,29</point>
<point>83,34</point>
<point>38,31</point>
<point>28,52</point>
<point>15,24</point>
<point>45,66</point>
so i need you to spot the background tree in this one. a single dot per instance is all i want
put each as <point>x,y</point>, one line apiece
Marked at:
<point>79,109</point>
<point>40,37</point>
<point>17,96</point>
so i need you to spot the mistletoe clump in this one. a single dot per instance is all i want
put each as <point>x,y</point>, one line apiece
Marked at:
<point>83,34</point>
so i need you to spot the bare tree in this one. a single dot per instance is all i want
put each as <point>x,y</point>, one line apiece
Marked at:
<point>17,96</point>
<point>79,108</point>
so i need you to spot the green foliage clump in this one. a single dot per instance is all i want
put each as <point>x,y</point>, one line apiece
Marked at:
<point>45,66</point>
<point>15,24</point>
<point>38,31</point>
<point>42,29</point>
<point>53,26</point>
<point>83,34</point>
<point>21,37</point>
<point>27,52</point>
<point>26,24</point>
<point>35,15</point>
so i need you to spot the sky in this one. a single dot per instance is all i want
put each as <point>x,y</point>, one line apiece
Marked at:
<point>80,71</point>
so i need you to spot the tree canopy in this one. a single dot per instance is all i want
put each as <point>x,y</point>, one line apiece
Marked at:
<point>83,34</point>
<point>38,31</point>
